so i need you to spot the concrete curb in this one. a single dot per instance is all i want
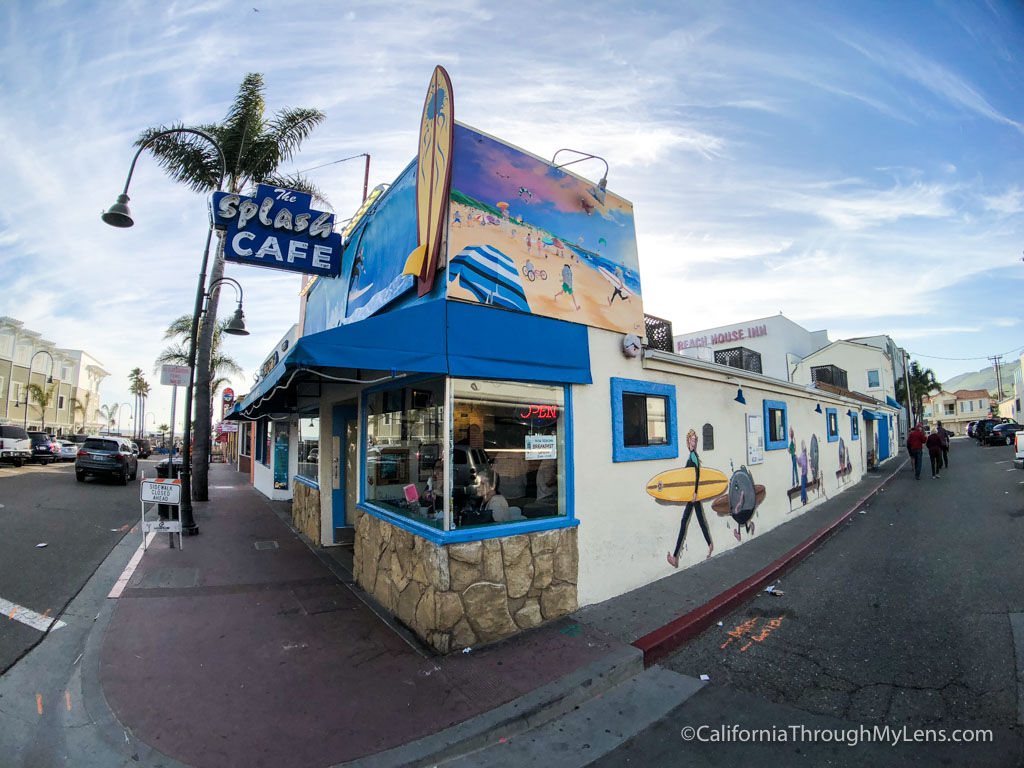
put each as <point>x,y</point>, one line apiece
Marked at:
<point>666,639</point>
<point>517,716</point>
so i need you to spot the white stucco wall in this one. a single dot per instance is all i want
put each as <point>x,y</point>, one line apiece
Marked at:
<point>263,476</point>
<point>624,533</point>
<point>856,360</point>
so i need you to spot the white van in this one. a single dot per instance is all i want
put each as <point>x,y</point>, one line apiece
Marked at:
<point>15,445</point>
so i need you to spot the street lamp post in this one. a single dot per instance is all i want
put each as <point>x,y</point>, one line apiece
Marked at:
<point>119,415</point>
<point>49,379</point>
<point>118,215</point>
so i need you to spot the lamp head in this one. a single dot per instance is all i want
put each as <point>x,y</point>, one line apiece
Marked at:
<point>49,379</point>
<point>236,326</point>
<point>739,396</point>
<point>118,214</point>
<point>817,408</point>
<point>598,192</point>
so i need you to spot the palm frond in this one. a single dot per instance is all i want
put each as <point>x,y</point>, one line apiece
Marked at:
<point>187,158</point>
<point>299,184</point>
<point>290,127</point>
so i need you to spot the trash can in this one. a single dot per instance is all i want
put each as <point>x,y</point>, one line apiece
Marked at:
<point>167,511</point>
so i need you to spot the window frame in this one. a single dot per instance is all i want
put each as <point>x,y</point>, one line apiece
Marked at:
<point>622,452</point>
<point>878,376</point>
<point>775,445</point>
<point>854,426</point>
<point>832,436</point>
<point>460,535</point>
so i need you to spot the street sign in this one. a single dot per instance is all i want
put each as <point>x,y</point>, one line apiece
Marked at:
<point>160,491</point>
<point>174,375</point>
<point>227,426</point>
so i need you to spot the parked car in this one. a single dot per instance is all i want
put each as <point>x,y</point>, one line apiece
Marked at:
<point>145,448</point>
<point>982,427</point>
<point>970,428</point>
<point>465,463</point>
<point>110,456</point>
<point>15,445</point>
<point>76,438</point>
<point>1018,447</point>
<point>1002,434</point>
<point>44,448</point>
<point>68,450</point>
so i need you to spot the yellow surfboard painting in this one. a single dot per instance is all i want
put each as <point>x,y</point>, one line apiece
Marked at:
<point>433,180</point>
<point>677,484</point>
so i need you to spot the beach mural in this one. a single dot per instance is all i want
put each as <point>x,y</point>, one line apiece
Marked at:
<point>524,235</point>
<point>741,501</point>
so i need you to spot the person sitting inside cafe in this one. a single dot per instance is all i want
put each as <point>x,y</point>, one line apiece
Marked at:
<point>433,495</point>
<point>492,503</point>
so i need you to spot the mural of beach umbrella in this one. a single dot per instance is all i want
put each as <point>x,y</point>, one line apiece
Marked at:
<point>547,241</point>
<point>503,207</point>
<point>489,275</point>
<point>492,220</point>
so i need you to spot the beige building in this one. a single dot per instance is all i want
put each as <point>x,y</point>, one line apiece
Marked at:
<point>76,380</point>
<point>957,409</point>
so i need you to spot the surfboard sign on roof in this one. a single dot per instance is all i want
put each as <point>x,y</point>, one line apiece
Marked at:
<point>433,180</point>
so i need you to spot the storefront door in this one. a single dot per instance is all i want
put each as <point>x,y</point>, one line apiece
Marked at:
<point>883,439</point>
<point>344,454</point>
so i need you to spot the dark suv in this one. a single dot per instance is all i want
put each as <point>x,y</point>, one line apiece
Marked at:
<point>1002,434</point>
<point>145,448</point>
<point>111,456</point>
<point>43,446</point>
<point>983,428</point>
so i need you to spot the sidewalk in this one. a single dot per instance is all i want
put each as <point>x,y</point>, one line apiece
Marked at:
<point>246,649</point>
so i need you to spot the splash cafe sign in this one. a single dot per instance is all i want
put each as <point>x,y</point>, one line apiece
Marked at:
<point>277,229</point>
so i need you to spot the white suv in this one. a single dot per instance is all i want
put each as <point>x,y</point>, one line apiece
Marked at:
<point>1018,447</point>
<point>15,445</point>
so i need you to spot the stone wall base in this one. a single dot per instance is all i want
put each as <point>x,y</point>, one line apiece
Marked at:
<point>460,595</point>
<point>306,511</point>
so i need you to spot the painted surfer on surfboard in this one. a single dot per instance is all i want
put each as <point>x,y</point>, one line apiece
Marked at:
<point>692,505</point>
<point>618,288</point>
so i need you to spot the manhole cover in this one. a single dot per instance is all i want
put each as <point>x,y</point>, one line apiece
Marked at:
<point>265,545</point>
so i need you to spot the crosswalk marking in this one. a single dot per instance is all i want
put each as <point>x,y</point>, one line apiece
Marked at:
<point>29,617</point>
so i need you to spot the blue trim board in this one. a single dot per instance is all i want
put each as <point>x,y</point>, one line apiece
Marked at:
<point>832,436</point>
<point>776,445</point>
<point>306,481</point>
<point>854,427</point>
<point>622,452</point>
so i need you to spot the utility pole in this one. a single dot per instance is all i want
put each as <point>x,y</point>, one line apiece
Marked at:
<point>906,384</point>
<point>997,362</point>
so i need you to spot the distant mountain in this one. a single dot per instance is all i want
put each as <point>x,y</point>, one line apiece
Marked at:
<point>985,379</point>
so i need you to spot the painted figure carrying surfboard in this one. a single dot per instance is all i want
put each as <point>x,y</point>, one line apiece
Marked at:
<point>693,505</point>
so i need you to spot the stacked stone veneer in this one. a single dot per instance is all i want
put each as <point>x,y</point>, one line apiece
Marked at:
<point>460,595</point>
<point>306,510</point>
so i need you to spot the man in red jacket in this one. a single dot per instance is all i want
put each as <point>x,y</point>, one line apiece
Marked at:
<point>915,444</point>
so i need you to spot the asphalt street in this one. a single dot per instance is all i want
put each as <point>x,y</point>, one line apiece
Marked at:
<point>80,523</point>
<point>907,617</point>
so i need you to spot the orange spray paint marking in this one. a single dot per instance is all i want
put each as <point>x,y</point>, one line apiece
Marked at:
<point>745,647</point>
<point>46,612</point>
<point>67,699</point>
<point>11,614</point>
<point>39,703</point>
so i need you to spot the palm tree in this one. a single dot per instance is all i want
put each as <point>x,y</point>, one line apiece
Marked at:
<point>109,414</point>
<point>922,384</point>
<point>163,429</point>
<point>144,390</point>
<point>43,399</point>
<point>254,147</point>
<point>134,385</point>
<point>80,405</point>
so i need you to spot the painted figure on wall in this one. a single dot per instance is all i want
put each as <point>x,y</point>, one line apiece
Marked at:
<point>741,501</point>
<point>802,461</point>
<point>792,456</point>
<point>693,505</point>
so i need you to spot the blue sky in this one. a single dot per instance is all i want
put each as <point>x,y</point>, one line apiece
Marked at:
<point>857,166</point>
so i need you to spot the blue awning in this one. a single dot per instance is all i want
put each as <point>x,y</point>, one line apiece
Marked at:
<point>893,403</point>
<point>874,416</point>
<point>439,337</point>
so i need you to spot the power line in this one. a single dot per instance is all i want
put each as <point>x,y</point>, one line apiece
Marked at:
<point>333,162</point>
<point>983,357</point>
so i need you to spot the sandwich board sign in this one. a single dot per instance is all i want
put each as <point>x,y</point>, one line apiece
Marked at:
<point>160,491</point>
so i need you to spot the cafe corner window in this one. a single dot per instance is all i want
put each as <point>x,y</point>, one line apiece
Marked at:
<point>509,460</point>
<point>832,424</point>
<point>643,420</point>
<point>776,423</point>
<point>309,448</point>
<point>404,463</point>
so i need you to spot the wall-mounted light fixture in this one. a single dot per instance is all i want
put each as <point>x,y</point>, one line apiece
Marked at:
<point>597,192</point>
<point>817,408</point>
<point>739,396</point>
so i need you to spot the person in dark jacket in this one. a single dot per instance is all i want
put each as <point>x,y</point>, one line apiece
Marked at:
<point>945,434</point>
<point>915,444</point>
<point>934,444</point>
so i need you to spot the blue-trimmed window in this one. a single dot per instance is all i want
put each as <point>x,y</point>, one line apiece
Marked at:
<point>854,426</point>
<point>643,420</point>
<point>776,425</point>
<point>832,424</point>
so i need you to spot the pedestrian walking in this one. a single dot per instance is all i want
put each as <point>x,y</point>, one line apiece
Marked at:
<point>915,445</point>
<point>934,443</point>
<point>944,434</point>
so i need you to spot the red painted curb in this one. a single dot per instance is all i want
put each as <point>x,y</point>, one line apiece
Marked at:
<point>666,639</point>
